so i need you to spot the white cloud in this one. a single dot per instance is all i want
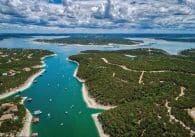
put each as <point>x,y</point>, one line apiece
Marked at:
<point>125,14</point>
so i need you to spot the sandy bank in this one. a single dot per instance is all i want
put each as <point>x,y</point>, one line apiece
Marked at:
<point>22,87</point>
<point>91,103</point>
<point>26,131</point>
<point>99,126</point>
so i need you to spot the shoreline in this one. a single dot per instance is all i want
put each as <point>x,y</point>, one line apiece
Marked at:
<point>26,130</point>
<point>91,103</point>
<point>22,87</point>
<point>82,45</point>
<point>28,82</point>
<point>99,125</point>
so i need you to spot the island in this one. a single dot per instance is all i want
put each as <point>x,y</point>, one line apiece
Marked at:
<point>145,92</point>
<point>19,67</point>
<point>91,40</point>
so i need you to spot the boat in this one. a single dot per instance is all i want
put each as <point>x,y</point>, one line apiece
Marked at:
<point>66,112</point>
<point>80,112</point>
<point>35,134</point>
<point>35,120</point>
<point>50,100</point>
<point>16,96</point>
<point>61,124</point>
<point>29,99</point>
<point>37,112</point>
<point>48,115</point>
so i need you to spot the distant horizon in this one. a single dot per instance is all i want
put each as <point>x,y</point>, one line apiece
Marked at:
<point>136,33</point>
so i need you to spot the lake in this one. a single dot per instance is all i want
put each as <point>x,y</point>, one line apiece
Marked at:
<point>58,93</point>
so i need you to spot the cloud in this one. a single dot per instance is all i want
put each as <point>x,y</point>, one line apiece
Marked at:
<point>104,14</point>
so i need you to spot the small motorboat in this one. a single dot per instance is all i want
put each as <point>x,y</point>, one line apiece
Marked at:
<point>37,112</point>
<point>50,100</point>
<point>66,112</point>
<point>16,96</point>
<point>34,134</point>
<point>80,112</point>
<point>61,124</point>
<point>49,115</point>
<point>29,99</point>
<point>35,120</point>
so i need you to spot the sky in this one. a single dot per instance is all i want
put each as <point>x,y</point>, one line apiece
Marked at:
<point>96,16</point>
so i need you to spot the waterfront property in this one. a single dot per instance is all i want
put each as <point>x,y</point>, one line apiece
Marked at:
<point>17,66</point>
<point>12,117</point>
<point>18,69</point>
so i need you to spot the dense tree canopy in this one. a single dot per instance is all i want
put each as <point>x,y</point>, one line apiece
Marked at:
<point>144,84</point>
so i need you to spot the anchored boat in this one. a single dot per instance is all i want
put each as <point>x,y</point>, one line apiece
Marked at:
<point>37,112</point>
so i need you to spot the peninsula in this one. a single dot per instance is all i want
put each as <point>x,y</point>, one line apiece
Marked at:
<point>90,40</point>
<point>152,91</point>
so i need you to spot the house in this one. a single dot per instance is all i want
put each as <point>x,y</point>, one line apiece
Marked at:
<point>7,117</point>
<point>12,109</point>
<point>12,72</point>
<point>4,74</point>
<point>4,105</point>
<point>27,69</point>
<point>16,118</point>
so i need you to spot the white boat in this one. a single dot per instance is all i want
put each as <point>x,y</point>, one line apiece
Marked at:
<point>29,99</point>
<point>48,115</point>
<point>61,124</point>
<point>37,112</point>
<point>66,112</point>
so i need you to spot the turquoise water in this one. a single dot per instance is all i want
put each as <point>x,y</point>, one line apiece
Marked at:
<point>58,84</point>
